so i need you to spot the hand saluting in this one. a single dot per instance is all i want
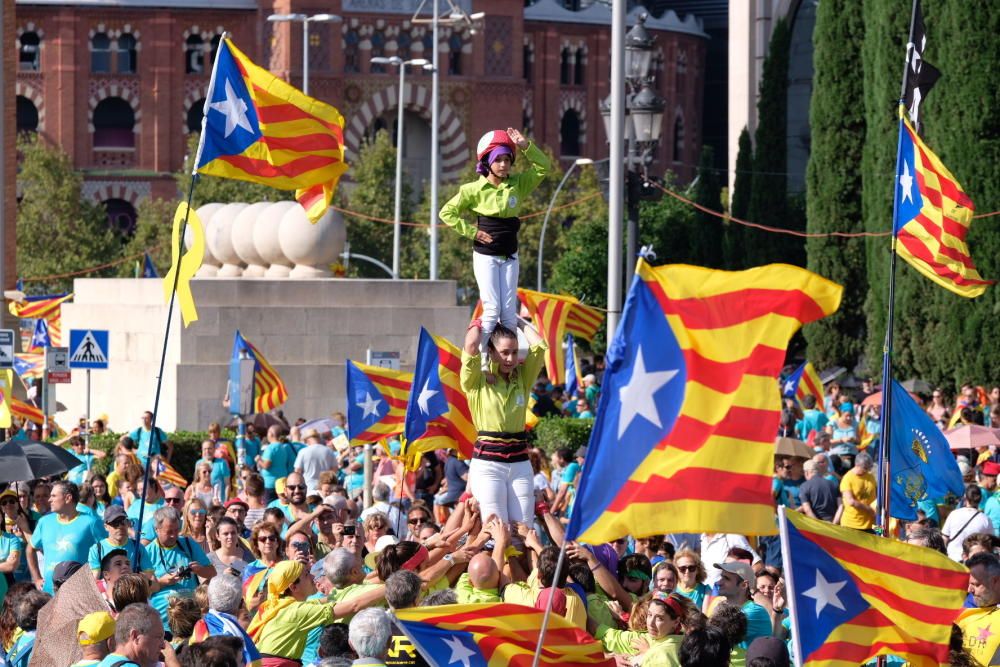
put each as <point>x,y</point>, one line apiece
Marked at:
<point>517,138</point>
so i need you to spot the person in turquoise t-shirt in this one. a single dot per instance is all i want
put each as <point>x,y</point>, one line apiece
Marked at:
<point>86,456</point>
<point>117,525</point>
<point>276,461</point>
<point>146,444</point>
<point>11,548</point>
<point>65,534</point>
<point>177,561</point>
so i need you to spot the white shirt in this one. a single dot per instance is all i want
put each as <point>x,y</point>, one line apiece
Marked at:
<point>956,530</point>
<point>312,461</point>
<point>396,521</point>
<point>714,549</point>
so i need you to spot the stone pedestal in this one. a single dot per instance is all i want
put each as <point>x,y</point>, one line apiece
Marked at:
<point>305,328</point>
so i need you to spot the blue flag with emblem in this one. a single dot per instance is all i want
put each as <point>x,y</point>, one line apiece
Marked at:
<point>921,463</point>
<point>40,338</point>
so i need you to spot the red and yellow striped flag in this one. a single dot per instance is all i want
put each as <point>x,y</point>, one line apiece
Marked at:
<point>684,436</point>
<point>933,215</point>
<point>26,411</point>
<point>268,389</point>
<point>376,402</point>
<point>167,473</point>
<point>259,128</point>
<point>48,308</point>
<point>581,320</point>
<point>497,635</point>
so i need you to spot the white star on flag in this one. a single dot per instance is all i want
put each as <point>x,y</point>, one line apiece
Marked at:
<point>789,387</point>
<point>369,405</point>
<point>637,396</point>
<point>825,593</point>
<point>426,394</point>
<point>234,108</point>
<point>459,651</point>
<point>906,182</point>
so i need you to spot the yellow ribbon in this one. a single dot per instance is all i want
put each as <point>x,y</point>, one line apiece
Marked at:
<point>6,382</point>
<point>187,265</point>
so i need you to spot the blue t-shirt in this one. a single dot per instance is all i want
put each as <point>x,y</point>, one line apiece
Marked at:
<point>104,547</point>
<point>569,472</point>
<point>165,559</point>
<point>133,511</point>
<point>9,544</point>
<point>61,541</point>
<point>146,445</point>
<point>281,455</point>
<point>758,623</point>
<point>251,448</point>
<point>812,420</point>
<point>113,659</point>
<point>220,470</point>
<point>77,473</point>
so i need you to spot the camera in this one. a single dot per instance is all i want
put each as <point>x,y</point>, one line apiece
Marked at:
<point>350,529</point>
<point>181,572</point>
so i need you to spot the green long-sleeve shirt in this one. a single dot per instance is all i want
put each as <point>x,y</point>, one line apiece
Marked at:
<point>496,201</point>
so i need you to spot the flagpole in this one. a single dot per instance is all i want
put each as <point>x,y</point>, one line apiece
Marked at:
<point>548,603</point>
<point>885,475</point>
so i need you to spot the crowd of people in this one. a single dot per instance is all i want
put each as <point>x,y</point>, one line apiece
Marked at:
<point>269,555</point>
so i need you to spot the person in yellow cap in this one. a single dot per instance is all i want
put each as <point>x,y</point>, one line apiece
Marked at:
<point>284,619</point>
<point>93,632</point>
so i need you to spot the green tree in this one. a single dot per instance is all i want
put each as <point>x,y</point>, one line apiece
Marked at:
<point>373,194</point>
<point>732,250</point>
<point>58,230</point>
<point>212,189</point>
<point>768,196</point>
<point>153,228</point>
<point>833,182</point>
<point>708,193</point>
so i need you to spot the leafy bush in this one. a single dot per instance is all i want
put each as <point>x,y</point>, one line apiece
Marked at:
<point>552,433</point>
<point>187,450</point>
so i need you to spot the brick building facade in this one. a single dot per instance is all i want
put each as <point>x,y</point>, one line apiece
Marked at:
<point>119,85</point>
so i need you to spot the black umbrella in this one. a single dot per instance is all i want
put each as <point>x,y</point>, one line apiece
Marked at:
<point>25,460</point>
<point>261,421</point>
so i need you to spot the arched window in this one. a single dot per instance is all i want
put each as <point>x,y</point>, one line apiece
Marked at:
<point>121,217</point>
<point>578,69</point>
<point>678,139</point>
<point>527,63</point>
<point>216,42</point>
<point>378,51</point>
<point>27,115</point>
<point>194,116</point>
<point>569,133</point>
<point>378,125</point>
<point>455,54</point>
<point>29,56</point>
<point>403,44</point>
<point>194,54</point>
<point>114,123</point>
<point>100,53</point>
<point>128,55</point>
<point>565,67</point>
<point>351,41</point>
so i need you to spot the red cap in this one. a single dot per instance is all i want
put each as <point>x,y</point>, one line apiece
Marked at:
<point>991,468</point>
<point>491,140</point>
<point>237,501</point>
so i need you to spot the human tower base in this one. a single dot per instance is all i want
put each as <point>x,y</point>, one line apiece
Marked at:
<point>304,328</point>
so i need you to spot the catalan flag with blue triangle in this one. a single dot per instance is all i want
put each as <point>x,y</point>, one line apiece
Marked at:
<point>215,623</point>
<point>496,635</point>
<point>48,308</point>
<point>684,435</point>
<point>853,596</point>
<point>268,389</point>
<point>148,268</point>
<point>437,415</point>
<point>376,402</point>
<point>932,217</point>
<point>804,381</point>
<point>259,128</point>
<point>40,338</point>
<point>29,365</point>
<point>921,462</point>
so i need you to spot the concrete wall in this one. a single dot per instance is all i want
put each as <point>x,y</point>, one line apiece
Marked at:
<point>305,328</point>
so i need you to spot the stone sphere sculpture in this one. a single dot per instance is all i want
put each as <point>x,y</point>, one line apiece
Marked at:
<point>266,239</point>
<point>219,239</point>
<point>243,242</point>
<point>210,265</point>
<point>312,247</point>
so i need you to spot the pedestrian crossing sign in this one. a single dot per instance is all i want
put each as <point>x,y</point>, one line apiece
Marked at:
<point>88,348</point>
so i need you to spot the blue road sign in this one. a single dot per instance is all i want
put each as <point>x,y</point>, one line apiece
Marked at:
<point>88,348</point>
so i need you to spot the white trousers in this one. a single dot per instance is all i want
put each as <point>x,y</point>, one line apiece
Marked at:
<point>503,489</point>
<point>497,281</point>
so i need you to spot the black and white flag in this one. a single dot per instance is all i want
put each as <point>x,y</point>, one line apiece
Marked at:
<point>921,75</point>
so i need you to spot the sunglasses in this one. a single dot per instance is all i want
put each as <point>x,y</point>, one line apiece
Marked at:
<point>291,487</point>
<point>8,501</point>
<point>118,523</point>
<point>267,538</point>
<point>418,520</point>
<point>173,500</point>
<point>198,512</point>
<point>687,568</point>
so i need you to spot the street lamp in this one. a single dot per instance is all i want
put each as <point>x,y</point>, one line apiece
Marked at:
<point>305,21</point>
<point>541,238</point>
<point>397,227</point>
<point>643,126</point>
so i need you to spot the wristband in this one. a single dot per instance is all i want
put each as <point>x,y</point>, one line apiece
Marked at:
<point>476,324</point>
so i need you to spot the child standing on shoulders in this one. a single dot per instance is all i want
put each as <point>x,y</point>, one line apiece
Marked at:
<point>495,198</point>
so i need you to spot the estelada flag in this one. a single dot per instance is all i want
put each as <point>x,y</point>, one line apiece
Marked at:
<point>48,308</point>
<point>496,635</point>
<point>932,217</point>
<point>259,128</point>
<point>853,596</point>
<point>804,381</point>
<point>376,402</point>
<point>269,390</point>
<point>684,436</point>
<point>437,415</point>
